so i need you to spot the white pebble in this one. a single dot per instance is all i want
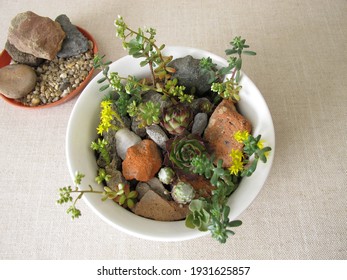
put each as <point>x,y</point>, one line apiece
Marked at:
<point>125,139</point>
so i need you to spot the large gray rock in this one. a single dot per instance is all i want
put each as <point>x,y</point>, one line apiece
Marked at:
<point>22,57</point>
<point>36,35</point>
<point>17,80</point>
<point>189,75</point>
<point>74,43</point>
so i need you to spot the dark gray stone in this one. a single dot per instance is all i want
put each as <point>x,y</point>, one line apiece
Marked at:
<point>156,97</point>
<point>140,131</point>
<point>200,123</point>
<point>189,75</point>
<point>201,105</point>
<point>116,178</point>
<point>74,43</point>
<point>22,57</point>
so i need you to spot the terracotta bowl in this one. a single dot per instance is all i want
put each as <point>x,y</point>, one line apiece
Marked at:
<point>81,131</point>
<point>5,59</point>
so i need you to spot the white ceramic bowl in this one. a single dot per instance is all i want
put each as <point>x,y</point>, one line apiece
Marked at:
<point>81,132</point>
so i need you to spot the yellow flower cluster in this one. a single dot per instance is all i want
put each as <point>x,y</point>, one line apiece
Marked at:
<point>237,155</point>
<point>106,117</point>
<point>237,165</point>
<point>241,136</point>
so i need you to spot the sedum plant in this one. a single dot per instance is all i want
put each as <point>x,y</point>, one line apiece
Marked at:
<point>230,88</point>
<point>147,113</point>
<point>100,146</point>
<point>253,151</point>
<point>121,194</point>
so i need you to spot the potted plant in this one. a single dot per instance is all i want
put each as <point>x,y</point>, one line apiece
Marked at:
<point>170,144</point>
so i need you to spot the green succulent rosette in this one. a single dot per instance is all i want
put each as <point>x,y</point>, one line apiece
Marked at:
<point>183,149</point>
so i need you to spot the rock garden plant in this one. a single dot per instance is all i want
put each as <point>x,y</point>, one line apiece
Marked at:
<point>172,146</point>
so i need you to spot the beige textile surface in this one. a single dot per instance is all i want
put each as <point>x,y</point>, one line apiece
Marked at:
<point>300,68</point>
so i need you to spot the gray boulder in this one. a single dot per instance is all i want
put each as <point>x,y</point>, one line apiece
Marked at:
<point>74,43</point>
<point>189,75</point>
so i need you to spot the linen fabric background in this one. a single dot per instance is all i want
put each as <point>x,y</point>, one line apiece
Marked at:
<point>301,70</point>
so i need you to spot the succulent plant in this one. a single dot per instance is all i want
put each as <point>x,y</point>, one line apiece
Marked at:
<point>176,118</point>
<point>124,196</point>
<point>183,192</point>
<point>166,175</point>
<point>199,216</point>
<point>183,149</point>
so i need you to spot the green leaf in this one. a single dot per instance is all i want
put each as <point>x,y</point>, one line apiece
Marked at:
<point>238,76</point>
<point>143,63</point>
<point>122,199</point>
<point>189,221</point>
<point>235,223</point>
<point>104,87</point>
<point>230,51</point>
<point>249,52</point>
<point>238,64</point>
<point>132,194</point>
<point>102,80</point>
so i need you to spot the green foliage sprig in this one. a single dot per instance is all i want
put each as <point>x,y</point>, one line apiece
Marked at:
<point>171,89</point>
<point>230,88</point>
<point>213,213</point>
<point>100,146</point>
<point>254,147</point>
<point>121,194</point>
<point>102,176</point>
<point>147,113</point>
<point>142,44</point>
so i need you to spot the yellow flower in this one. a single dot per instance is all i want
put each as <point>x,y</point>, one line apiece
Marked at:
<point>106,116</point>
<point>236,167</point>
<point>236,154</point>
<point>241,136</point>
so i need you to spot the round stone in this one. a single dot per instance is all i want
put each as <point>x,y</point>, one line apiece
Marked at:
<point>17,80</point>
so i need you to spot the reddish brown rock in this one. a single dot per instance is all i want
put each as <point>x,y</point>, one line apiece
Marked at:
<point>155,207</point>
<point>142,161</point>
<point>36,35</point>
<point>224,122</point>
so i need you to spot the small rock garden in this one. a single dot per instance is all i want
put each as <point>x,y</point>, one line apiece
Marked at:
<point>50,59</point>
<point>172,146</point>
